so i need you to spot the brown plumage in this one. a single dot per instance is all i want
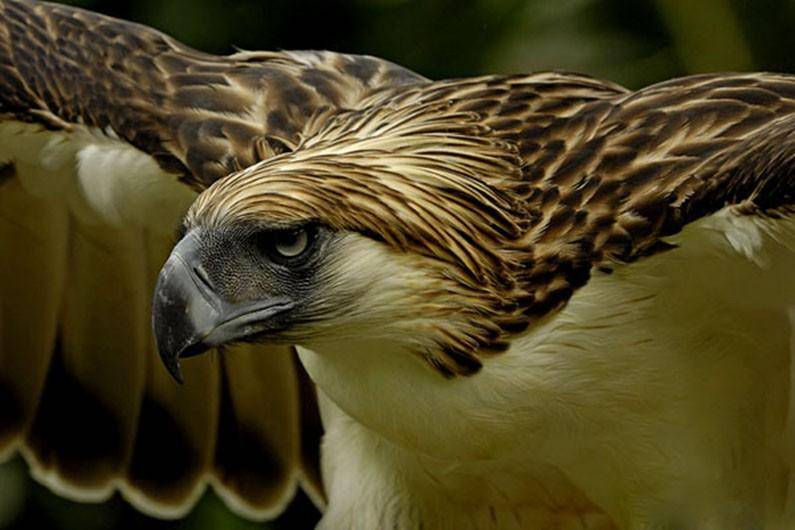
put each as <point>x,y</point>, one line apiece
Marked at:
<point>197,114</point>
<point>518,187</point>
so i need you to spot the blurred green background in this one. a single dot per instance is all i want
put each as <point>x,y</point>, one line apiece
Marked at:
<point>632,42</point>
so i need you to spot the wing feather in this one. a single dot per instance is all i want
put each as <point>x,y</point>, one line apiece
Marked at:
<point>256,460</point>
<point>110,141</point>
<point>199,115</point>
<point>168,467</point>
<point>86,421</point>
<point>311,434</point>
<point>176,440</point>
<point>28,325</point>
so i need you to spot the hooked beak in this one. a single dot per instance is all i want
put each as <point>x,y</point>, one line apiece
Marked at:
<point>189,317</point>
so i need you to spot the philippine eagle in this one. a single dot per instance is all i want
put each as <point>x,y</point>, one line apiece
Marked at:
<point>529,301</point>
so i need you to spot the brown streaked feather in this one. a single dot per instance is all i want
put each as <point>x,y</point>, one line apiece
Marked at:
<point>198,114</point>
<point>519,186</point>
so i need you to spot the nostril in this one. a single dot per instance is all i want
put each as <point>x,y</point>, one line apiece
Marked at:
<point>201,274</point>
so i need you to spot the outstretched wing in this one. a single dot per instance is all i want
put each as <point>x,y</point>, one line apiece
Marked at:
<point>686,192</point>
<point>107,129</point>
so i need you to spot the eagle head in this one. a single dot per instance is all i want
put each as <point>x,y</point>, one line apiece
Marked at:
<point>401,227</point>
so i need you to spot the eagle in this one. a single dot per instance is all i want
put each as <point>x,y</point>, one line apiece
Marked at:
<point>524,301</point>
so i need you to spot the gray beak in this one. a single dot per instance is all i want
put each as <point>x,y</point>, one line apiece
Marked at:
<point>189,317</point>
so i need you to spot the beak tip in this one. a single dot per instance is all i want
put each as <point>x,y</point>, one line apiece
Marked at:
<point>175,371</point>
<point>171,363</point>
<point>178,377</point>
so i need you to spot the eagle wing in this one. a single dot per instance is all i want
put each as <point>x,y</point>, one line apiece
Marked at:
<point>107,131</point>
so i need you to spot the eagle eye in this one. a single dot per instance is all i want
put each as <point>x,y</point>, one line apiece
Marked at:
<point>286,245</point>
<point>291,243</point>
